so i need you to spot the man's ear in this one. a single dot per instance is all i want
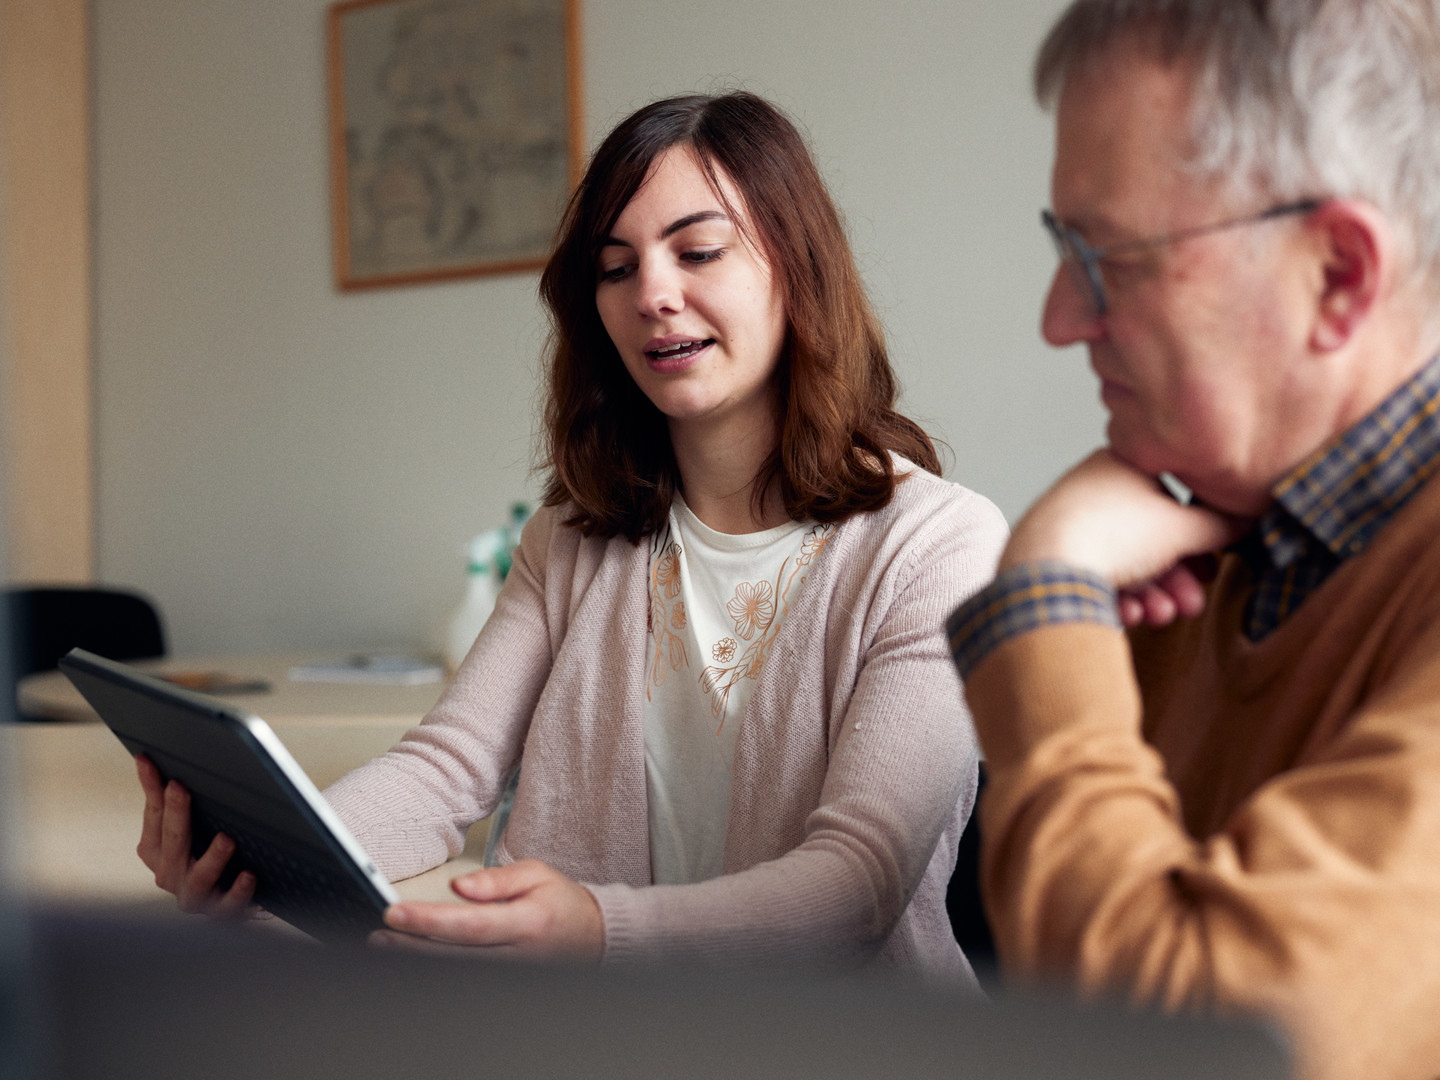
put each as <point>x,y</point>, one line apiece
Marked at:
<point>1356,248</point>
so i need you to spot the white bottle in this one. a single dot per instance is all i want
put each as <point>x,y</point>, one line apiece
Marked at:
<point>482,586</point>
<point>519,514</point>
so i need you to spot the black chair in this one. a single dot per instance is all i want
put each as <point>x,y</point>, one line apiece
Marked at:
<point>962,899</point>
<point>43,624</point>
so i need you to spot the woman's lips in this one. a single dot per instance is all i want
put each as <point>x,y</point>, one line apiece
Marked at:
<point>672,354</point>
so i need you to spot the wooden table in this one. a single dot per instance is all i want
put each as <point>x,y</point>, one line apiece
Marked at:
<point>79,804</point>
<point>50,694</point>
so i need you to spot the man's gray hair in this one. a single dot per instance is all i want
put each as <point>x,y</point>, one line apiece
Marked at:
<point>1294,98</point>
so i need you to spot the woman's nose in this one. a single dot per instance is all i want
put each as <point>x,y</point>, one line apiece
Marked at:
<point>660,291</point>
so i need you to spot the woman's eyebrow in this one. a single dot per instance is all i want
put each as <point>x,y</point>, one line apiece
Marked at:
<point>674,227</point>
<point>693,219</point>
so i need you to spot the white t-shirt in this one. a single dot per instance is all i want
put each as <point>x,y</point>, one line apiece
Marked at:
<point>716,601</point>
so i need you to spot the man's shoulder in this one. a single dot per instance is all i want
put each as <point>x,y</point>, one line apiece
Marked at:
<point>1404,557</point>
<point>1392,589</point>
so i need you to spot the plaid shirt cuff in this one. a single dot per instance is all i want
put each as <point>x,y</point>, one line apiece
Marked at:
<point>1022,599</point>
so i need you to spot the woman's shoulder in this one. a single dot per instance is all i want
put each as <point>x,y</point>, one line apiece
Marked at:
<point>929,525</point>
<point>931,529</point>
<point>545,521</point>
<point>922,497</point>
<point>550,541</point>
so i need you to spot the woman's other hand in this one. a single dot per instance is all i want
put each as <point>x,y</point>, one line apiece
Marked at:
<point>165,848</point>
<point>524,909</point>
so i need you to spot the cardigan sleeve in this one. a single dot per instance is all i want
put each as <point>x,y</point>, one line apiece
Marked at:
<point>1315,905</point>
<point>901,760</point>
<point>410,808</point>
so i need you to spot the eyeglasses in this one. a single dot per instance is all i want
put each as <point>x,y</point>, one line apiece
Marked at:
<point>1084,260</point>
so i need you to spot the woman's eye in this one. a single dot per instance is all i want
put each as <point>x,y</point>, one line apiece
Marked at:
<point>614,273</point>
<point>702,256</point>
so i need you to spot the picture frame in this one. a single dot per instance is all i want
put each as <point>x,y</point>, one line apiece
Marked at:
<point>455,136</point>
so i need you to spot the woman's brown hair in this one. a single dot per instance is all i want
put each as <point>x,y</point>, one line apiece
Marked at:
<point>608,447</point>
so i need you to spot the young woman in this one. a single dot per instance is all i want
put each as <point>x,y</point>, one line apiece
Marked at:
<point>720,650</point>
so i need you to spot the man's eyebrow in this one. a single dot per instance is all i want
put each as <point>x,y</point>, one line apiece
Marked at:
<point>1110,232</point>
<point>674,227</point>
<point>1079,222</point>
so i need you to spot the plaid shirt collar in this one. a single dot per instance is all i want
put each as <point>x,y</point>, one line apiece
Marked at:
<point>1332,506</point>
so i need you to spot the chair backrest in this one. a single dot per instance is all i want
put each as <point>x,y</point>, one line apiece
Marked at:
<point>962,900</point>
<point>46,623</point>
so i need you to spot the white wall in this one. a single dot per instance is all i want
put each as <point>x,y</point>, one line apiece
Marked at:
<point>284,466</point>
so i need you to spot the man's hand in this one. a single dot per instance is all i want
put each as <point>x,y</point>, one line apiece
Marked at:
<point>524,909</point>
<point>1177,593</point>
<point>165,848</point>
<point>1111,519</point>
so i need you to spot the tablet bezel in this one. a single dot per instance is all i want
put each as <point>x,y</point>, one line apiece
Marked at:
<point>193,738</point>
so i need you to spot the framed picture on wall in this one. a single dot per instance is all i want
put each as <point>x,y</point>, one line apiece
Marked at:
<point>454,135</point>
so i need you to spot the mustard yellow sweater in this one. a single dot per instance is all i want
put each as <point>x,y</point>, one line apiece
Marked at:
<point>1193,819</point>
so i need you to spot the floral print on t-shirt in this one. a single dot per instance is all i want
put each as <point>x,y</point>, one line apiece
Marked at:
<point>756,611</point>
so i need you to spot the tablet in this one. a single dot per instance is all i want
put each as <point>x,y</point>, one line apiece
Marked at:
<point>242,781</point>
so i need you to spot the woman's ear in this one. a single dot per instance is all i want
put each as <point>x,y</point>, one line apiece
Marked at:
<point>1356,249</point>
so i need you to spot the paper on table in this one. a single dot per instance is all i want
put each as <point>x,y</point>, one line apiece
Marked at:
<point>215,682</point>
<point>393,669</point>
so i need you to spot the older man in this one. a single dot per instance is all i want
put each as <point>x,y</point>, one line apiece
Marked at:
<point>1237,806</point>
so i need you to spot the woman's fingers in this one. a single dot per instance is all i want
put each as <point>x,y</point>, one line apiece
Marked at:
<point>505,882</point>
<point>153,821</point>
<point>527,906</point>
<point>196,883</point>
<point>461,924</point>
<point>235,904</point>
<point>198,889</point>
<point>174,839</point>
<point>164,847</point>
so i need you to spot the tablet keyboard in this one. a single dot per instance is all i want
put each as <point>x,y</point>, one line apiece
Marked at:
<point>303,892</point>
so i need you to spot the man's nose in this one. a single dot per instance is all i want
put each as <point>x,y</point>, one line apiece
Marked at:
<point>1069,313</point>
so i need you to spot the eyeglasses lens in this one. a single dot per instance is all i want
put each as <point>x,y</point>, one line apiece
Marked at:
<point>1075,254</point>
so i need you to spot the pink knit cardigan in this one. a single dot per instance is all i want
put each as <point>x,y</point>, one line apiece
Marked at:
<point>854,771</point>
